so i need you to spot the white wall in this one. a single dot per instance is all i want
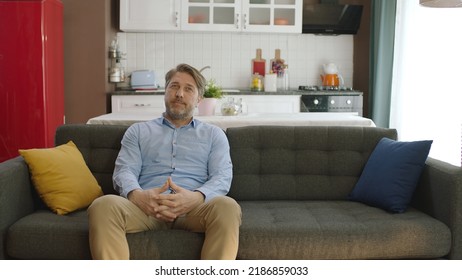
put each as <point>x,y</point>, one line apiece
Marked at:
<point>230,54</point>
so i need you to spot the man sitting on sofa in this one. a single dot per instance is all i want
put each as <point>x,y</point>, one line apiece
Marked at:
<point>171,172</point>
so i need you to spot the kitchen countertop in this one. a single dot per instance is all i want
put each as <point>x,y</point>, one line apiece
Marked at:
<point>224,122</point>
<point>246,91</point>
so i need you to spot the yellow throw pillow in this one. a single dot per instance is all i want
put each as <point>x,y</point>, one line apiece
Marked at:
<point>62,178</point>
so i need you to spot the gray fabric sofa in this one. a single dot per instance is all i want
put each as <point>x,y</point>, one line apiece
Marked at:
<point>292,184</point>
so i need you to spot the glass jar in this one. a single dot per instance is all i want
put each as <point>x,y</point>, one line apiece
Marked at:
<point>257,83</point>
<point>230,108</point>
<point>286,77</point>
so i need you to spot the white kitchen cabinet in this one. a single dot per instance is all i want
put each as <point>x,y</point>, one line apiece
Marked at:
<point>283,16</point>
<point>264,103</point>
<point>150,15</point>
<point>211,15</point>
<point>137,103</point>
<point>251,103</point>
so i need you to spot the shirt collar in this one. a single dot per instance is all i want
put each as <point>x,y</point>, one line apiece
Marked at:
<point>165,121</point>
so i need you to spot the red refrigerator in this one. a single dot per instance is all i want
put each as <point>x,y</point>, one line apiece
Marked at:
<point>31,74</point>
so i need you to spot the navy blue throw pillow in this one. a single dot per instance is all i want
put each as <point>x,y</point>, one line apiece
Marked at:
<point>391,174</point>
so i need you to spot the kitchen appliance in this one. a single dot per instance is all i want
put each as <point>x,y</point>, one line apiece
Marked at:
<point>143,79</point>
<point>330,99</point>
<point>31,74</point>
<point>331,19</point>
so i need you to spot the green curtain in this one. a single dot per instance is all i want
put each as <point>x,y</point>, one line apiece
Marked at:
<point>382,43</point>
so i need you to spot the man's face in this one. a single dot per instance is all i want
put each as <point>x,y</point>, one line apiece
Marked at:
<point>181,96</point>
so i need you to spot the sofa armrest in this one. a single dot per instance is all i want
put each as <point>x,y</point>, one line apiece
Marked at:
<point>16,200</point>
<point>439,194</point>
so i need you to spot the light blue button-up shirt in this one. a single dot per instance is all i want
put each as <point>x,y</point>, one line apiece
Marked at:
<point>196,156</point>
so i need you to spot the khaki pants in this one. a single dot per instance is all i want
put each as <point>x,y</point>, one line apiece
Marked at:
<point>112,216</point>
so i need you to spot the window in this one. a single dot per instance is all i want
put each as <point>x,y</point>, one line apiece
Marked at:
<point>427,78</point>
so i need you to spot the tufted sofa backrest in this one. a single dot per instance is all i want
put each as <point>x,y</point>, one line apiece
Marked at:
<point>269,162</point>
<point>301,163</point>
<point>99,145</point>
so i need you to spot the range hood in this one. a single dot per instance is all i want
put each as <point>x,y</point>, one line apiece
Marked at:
<point>331,19</point>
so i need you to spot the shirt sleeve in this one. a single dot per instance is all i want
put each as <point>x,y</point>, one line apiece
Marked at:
<point>220,168</point>
<point>128,163</point>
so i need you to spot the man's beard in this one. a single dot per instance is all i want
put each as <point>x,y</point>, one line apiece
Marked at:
<point>179,114</point>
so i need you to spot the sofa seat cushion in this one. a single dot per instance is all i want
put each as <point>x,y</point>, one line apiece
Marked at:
<point>45,235</point>
<point>167,244</point>
<point>270,230</point>
<point>337,230</point>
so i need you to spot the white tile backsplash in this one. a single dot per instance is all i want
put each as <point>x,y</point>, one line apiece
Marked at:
<point>229,54</point>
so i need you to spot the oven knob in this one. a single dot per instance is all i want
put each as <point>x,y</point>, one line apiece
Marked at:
<point>332,102</point>
<point>316,102</point>
<point>348,102</point>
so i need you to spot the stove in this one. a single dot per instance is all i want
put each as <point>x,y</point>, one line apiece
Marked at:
<point>325,88</point>
<point>330,99</point>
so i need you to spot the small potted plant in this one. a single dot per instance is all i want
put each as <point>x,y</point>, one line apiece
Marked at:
<point>211,94</point>
<point>212,90</point>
